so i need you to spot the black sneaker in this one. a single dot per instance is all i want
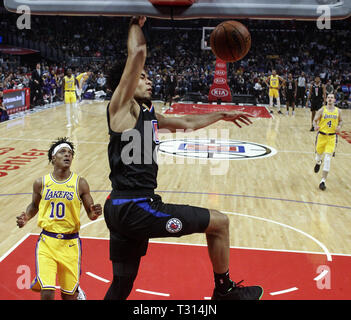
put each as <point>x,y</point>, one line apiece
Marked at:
<point>312,129</point>
<point>239,292</point>
<point>271,111</point>
<point>322,186</point>
<point>280,112</point>
<point>316,167</point>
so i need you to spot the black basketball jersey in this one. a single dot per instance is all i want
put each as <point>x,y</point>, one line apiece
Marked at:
<point>317,92</point>
<point>290,86</point>
<point>132,153</point>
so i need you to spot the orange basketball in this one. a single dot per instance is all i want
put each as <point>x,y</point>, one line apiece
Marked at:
<point>230,41</point>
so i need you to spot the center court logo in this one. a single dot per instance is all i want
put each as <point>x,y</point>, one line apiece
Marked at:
<point>215,149</point>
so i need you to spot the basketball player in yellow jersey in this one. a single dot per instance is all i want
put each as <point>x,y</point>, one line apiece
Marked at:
<point>81,79</point>
<point>58,197</point>
<point>274,83</point>
<point>327,122</point>
<point>69,90</point>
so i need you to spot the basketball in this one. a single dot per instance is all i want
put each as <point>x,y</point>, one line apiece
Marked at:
<point>230,41</point>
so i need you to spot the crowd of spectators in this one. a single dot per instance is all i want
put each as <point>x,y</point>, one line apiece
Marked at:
<point>286,46</point>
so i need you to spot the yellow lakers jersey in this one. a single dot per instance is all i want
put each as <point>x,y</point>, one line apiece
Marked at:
<point>82,77</point>
<point>274,82</point>
<point>329,120</point>
<point>60,204</point>
<point>70,83</point>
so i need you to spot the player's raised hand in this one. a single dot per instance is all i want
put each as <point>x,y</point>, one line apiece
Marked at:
<point>235,117</point>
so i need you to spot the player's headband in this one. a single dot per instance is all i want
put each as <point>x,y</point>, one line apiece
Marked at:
<point>60,146</point>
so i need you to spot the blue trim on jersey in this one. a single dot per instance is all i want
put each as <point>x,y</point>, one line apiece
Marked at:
<point>143,204</point>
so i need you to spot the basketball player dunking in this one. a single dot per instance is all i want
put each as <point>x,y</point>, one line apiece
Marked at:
<point>133,212</point>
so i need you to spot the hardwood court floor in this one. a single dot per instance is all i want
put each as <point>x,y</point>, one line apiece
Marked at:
<point>273,203</point>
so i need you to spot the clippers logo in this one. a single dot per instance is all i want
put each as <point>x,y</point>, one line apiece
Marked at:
<point>219,93</point>
<point>174,225</point>
<point>215,149</point>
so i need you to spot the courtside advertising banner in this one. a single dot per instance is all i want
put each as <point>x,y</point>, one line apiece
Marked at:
<point>16,100</point>
<point>219,90</point>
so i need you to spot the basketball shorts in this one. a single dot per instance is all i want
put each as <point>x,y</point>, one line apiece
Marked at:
<point>274,93</point>
<point>290,97</point>
<point>325,143</point>
<point>59,258</point>
<point>70,97</point>
<point>132,221</point>
<point>316,105</point>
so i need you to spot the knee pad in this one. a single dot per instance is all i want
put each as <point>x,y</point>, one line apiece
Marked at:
<point>327,160</point>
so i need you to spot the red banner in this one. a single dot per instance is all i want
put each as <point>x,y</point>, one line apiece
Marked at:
<point>219,90</point>
<point>15,50</point>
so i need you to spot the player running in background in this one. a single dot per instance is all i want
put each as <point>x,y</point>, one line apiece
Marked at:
<point>327,122</point>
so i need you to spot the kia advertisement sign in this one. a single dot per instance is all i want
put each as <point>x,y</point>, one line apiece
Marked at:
<point>219,89</point>
<point>219,92</point>
<point>16,100</point>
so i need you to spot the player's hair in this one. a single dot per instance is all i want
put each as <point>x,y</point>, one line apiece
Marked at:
<point>56,143</point>
<point>114,75</point>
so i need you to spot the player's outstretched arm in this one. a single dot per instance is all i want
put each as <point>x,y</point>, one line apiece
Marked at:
<point>195,122</point>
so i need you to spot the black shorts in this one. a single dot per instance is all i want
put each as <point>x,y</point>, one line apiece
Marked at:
<point>290,97</point>
<point>316,105</point>
<point>133,220</point>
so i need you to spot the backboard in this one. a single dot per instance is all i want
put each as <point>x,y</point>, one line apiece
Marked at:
<point>222,9</point>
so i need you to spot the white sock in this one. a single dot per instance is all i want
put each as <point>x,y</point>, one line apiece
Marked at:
<point>318,158</point>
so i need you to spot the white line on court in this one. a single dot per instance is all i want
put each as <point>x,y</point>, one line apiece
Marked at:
<point>14,247</point>
<point>283,291</point>
<point>326,251</point>
<point>153,292</point>
<point>321,276</point>
<point>93,275</point>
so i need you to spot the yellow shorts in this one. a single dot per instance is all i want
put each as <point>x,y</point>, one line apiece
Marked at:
<point>274,93</point>
<point>325,144</point>
<point>70,97</point>
<point>57,257</point>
